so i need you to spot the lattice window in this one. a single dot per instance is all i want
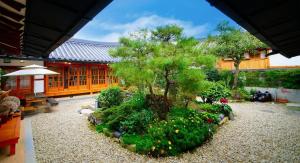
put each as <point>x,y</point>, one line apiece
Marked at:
<point>25,82</point>
<point>101,76</point>
<point>98,75</point>
<point>55,80</point>
<point>11,82</point>
<point>82,76</point>
<point>73,78</point>
<point>95,75</point>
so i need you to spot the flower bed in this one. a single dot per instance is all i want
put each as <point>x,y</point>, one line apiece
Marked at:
<point>140,129</point>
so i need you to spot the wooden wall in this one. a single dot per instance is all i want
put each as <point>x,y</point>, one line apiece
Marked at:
<point>254,62</point>
<point>77,78</point>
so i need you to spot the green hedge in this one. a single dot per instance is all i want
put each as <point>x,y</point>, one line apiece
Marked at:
<point>269,78</point>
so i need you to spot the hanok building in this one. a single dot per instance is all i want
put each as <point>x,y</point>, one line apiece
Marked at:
<point>83,67</point>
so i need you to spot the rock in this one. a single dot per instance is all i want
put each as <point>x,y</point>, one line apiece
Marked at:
<point>231,116</point>
<point>221,116</point>
<point>86,112</point>
<point>94,120</point>
<point>131,147</point>
<point>91,119</point>
<point>98,122</point>
<point>117,134</point>
<point>223,121</point>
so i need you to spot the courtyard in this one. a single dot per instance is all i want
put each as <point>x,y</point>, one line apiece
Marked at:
<point>260,132</point>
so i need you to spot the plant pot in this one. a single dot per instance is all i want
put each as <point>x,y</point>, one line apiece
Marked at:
<point>282,100</point>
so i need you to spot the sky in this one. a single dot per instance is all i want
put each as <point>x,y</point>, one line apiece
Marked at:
<point>122,17</point>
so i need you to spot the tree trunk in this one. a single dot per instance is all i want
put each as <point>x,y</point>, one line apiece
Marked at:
<point>167,84</point>
<point>236,75</point>
<point>150,89</point>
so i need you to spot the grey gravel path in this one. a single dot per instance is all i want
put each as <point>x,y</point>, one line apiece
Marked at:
<point>261,132</point>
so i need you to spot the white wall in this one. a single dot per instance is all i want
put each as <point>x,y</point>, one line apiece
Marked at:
<point>280,60</point>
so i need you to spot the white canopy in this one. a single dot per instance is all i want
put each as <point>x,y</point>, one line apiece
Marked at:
<point>32,70</point>
<point>33,67</point>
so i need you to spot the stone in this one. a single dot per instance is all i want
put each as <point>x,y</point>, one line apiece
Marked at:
<point>231,116</point>
<point>117,134</point>
<point>86,112</point>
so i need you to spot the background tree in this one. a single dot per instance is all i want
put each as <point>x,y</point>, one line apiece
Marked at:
<point>233,43</point>
<point>164,59</point>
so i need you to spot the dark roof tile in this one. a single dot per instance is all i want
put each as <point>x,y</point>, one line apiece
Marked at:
<point>84,50</point>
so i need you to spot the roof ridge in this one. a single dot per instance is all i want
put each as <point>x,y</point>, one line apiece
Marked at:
<point>92,42</point>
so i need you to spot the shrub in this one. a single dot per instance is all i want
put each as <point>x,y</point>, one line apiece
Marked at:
<point>178,135</point>
<point>241,93</point>
<point>137,122</point>
<point>216,108</point>
<point>110,97</point>
<point>210,117</point>
<point>214,93</point>
<point>222,108</point>
<point>143,143</point>
<point>114,115</point>
<point>286,78</point>
<point>100,127</point>
<point>212,74</point>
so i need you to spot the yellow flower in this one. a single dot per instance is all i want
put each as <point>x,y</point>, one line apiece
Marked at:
<point>177,131</point>
<point>170,142</point>
<point>170,147</point>
<point>153,148</point>
<point>158,141</point>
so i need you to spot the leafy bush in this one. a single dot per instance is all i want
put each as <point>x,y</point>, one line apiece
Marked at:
<point>178,135</point>
<point>215,92</point>
<point>270,78</point>
<point>137,122</point>
<point>210,117</point>
<point>100,127</point>
<point>212,74</point>
<point>216,108</point>
<point>241,93</point>
<point>110,97</point>
<point>116,114</point>
<point>143,143</point>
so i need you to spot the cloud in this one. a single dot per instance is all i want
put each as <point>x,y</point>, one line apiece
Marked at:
<point>117,30</point>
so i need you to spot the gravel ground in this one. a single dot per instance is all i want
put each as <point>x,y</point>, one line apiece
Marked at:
<point>261,132</point>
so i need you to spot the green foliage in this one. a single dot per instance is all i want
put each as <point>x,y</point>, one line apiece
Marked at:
<point>110,97</point>
<point>137,122</point>
<point>164,59</point>
<point>234,43</point>
<point>143,143</point>
<point>183,130</point>
<point>216,108</point>
<point>116,114</point>
<point>269,78</point>
<point>214,92</point>
<point>212,74</point>
<point>97,114</point>
<point>178,135</point>
<point>208,117</point>
<point>100,127</point>
<point>242,94</point>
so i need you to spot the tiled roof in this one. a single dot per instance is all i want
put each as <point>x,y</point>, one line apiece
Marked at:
<point>84,50</point>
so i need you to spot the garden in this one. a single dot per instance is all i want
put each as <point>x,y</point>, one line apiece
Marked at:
<point>167,104</point>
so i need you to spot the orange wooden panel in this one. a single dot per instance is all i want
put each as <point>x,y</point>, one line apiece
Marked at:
<point>11,129</point>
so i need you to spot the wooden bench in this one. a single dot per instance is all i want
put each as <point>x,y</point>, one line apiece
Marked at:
<point>10,133</point>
